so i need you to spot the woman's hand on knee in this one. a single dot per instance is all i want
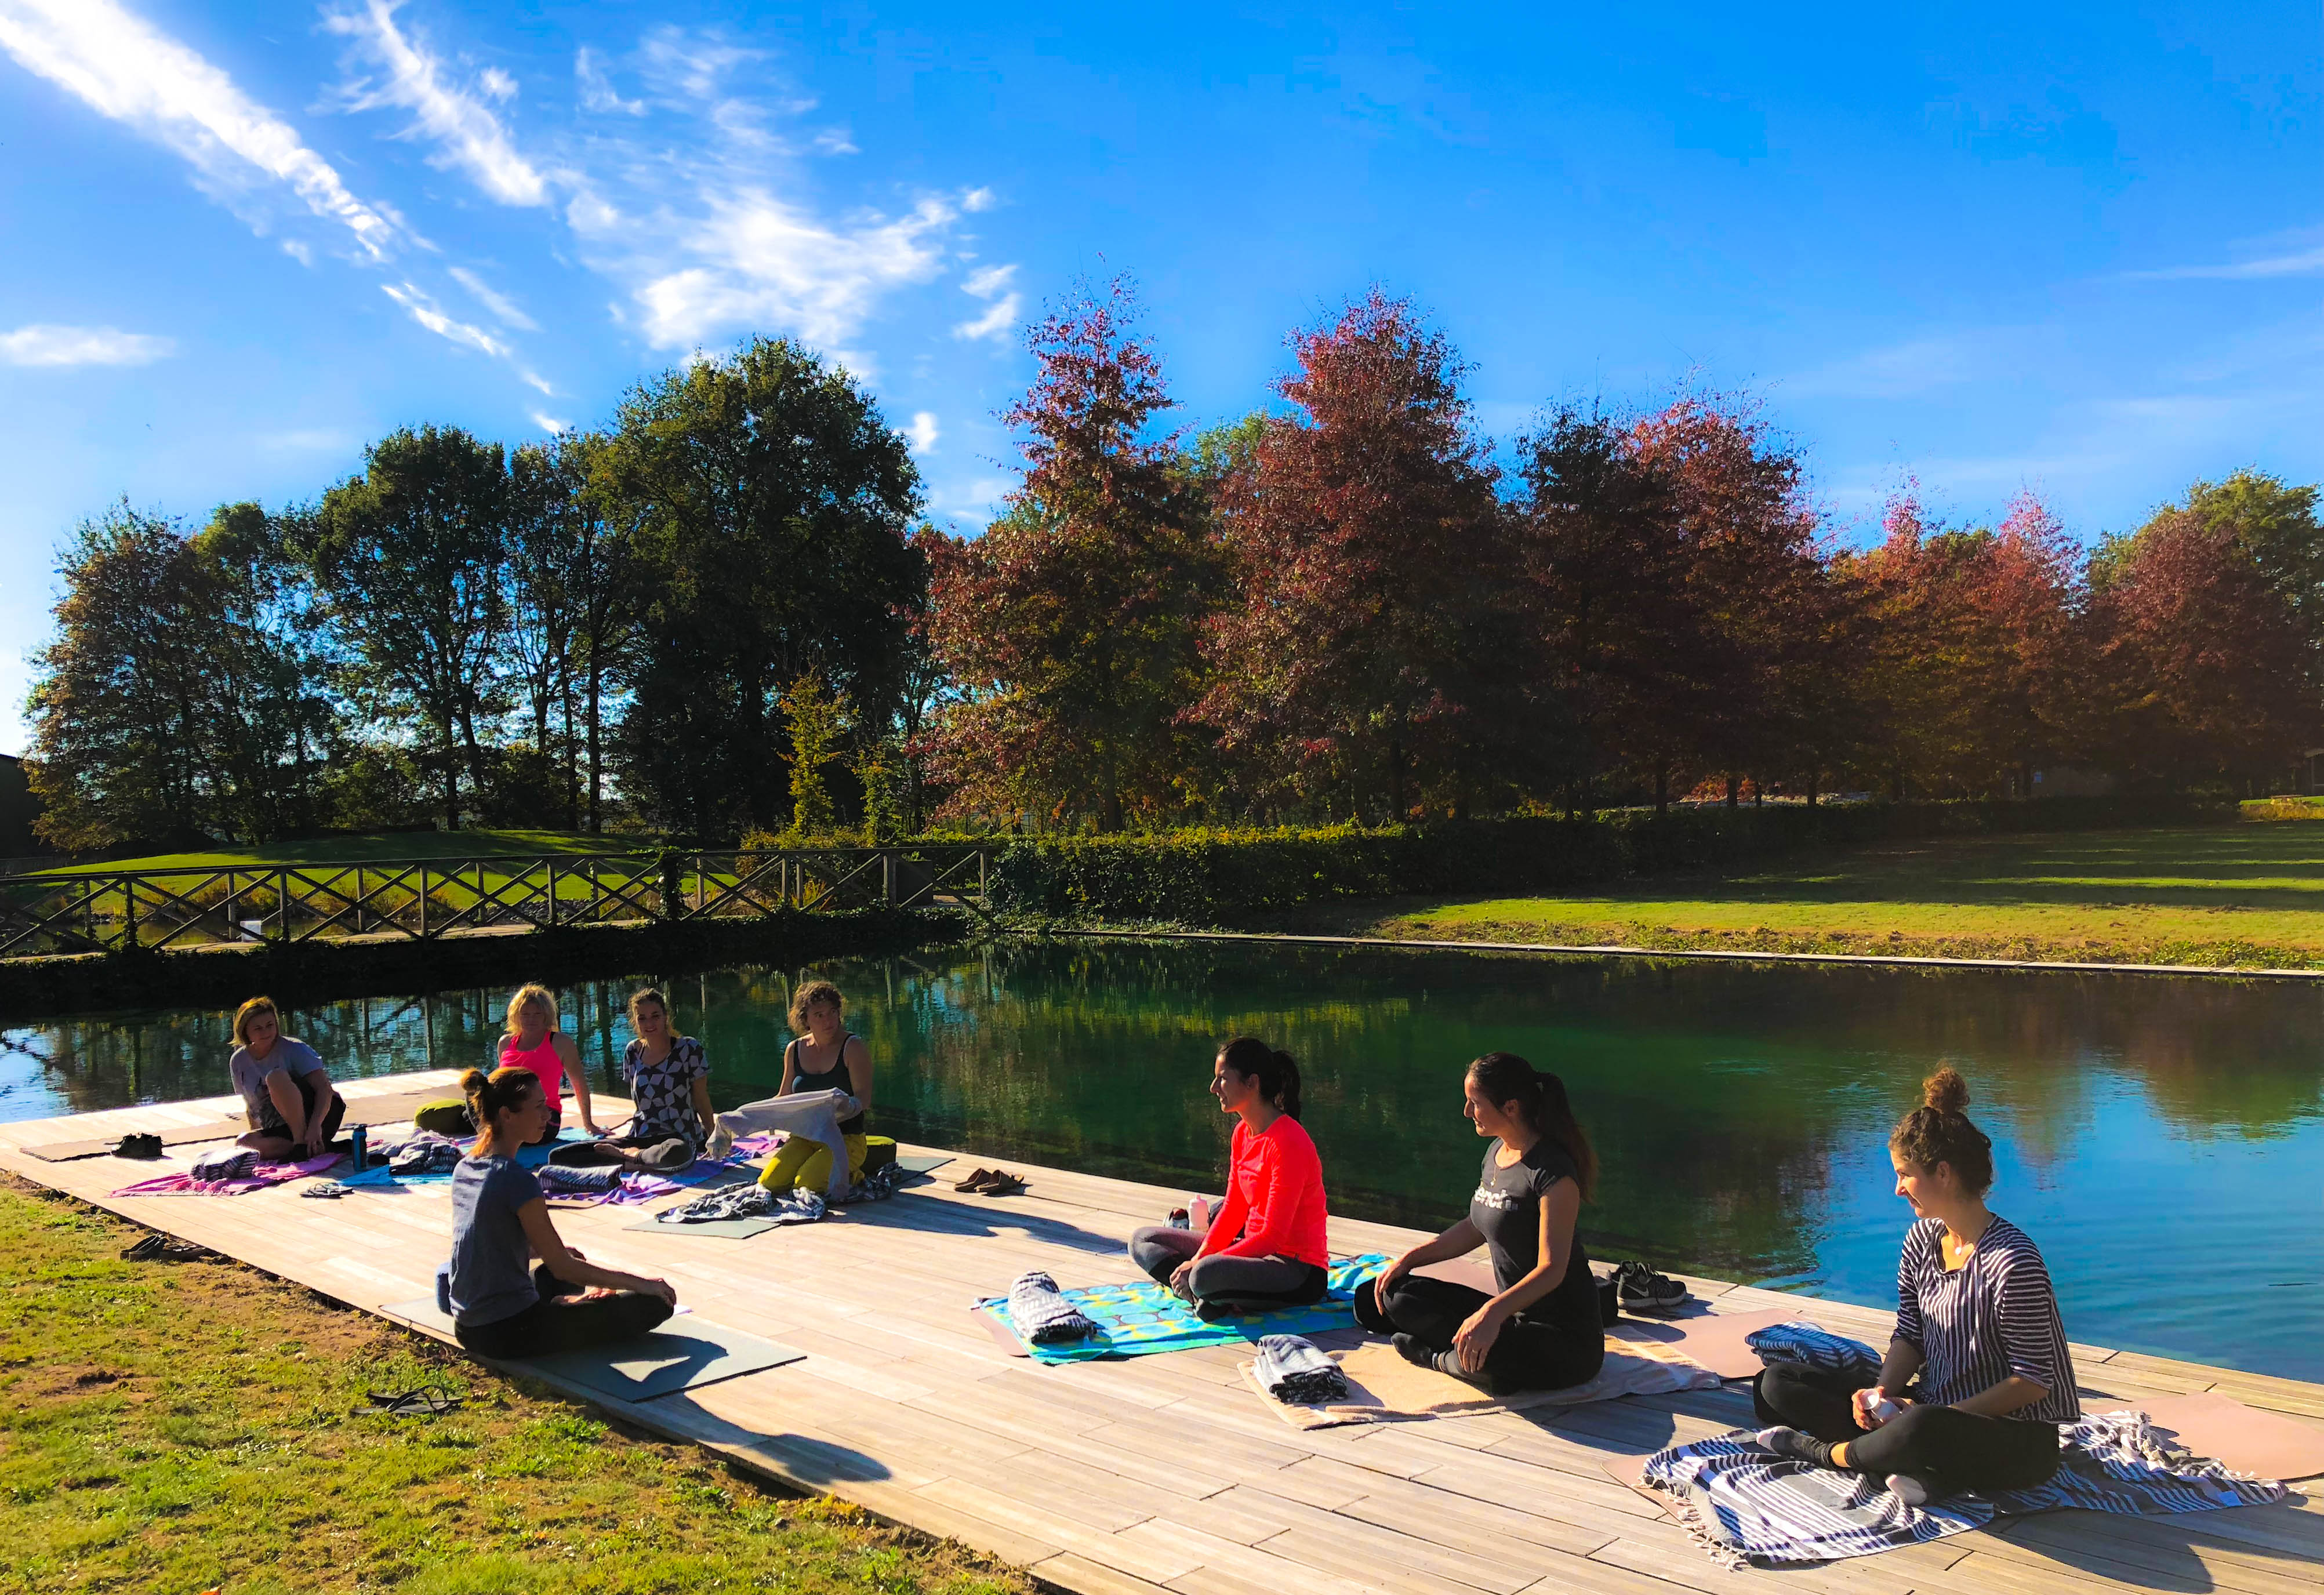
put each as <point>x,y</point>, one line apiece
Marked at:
<point>1397,1270</point>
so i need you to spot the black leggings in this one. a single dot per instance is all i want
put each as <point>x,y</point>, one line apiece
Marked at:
<point>1940,1445</point>
<point>319,1135</point>
<point>1257,1283</point>
<point>1528,1354</point>
<point>554,1325</point>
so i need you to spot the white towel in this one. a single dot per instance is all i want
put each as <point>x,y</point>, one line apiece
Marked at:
<point>815,1114</point>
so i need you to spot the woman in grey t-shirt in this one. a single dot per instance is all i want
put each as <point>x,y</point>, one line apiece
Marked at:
<point>500,1304</point>
<point>1540,1329</point>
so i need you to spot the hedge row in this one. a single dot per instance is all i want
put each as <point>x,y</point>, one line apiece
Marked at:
<point>1217,877</point>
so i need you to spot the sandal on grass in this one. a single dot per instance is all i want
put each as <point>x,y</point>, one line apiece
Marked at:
<point>163,1248</point>
<point>429,1401</point>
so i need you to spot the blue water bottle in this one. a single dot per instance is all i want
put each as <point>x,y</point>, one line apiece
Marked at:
<point>355,1138</point>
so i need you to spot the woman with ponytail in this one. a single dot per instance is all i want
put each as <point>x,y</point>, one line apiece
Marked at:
<point>1979,1376</point>
<point>501,1306</point>
<point>1265,1247</point>
<point>1541,1328</point>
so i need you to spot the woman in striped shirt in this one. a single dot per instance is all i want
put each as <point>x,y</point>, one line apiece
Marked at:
<point>1977,1321</point>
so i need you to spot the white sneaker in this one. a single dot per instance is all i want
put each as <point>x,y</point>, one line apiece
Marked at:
<point>1911,1491</point>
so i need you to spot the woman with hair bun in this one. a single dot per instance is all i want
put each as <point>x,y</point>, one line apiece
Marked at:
<point>1264,1248</point>
<point>501,1304</point>
<point>1978,1376</point>
<point>1542,1329</point>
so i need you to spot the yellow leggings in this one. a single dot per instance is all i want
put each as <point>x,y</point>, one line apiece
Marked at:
<point>806,1163</point>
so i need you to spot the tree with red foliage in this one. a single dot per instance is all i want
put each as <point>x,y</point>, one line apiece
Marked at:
<point>1069,626</point>
<point>2208,669</point>
<point>1973,674</point>
<point>1377,659</point>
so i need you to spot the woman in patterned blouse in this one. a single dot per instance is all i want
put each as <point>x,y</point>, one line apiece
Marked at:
<point>667,1075</point>
<point>1977,1321</point>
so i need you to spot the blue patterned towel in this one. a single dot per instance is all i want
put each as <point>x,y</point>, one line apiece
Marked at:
<point>1804,1345</point>
<point>1749,1505</point>
<point>1140,1319</point>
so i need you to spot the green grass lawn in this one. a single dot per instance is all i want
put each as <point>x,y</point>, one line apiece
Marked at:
<point>2246,894</point>
<point>175,1428</point>
<point>390,845</point>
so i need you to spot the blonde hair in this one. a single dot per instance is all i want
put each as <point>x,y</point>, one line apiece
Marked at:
<point>529,992</point>
<point>808,994</point>
<point>249,1010</point>
<point>502,1090</point>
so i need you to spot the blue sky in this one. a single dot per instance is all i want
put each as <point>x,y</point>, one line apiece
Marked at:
<point>2074,247</point>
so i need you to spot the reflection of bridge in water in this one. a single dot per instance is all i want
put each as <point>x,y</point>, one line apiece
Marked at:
<point>101,910</point>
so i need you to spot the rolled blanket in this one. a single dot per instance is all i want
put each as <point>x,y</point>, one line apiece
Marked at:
<point>557,1180</point>
<point>1804,1345</point>
<point>1041,1314</point>
<point>1296,1371</point>
<point>231,1163</point>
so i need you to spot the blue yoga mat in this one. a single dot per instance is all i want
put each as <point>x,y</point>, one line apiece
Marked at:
<point>530,1157</point>
<point>1144,1318</point>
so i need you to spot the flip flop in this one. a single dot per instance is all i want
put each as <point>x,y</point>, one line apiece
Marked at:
<point>976,1182</point>
<point>429,1401</point>
<point>163,1248</point>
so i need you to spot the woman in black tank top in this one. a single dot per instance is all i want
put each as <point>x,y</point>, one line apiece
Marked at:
<point>822,1037</point>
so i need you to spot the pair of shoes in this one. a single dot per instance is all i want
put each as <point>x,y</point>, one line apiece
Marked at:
<point>327,1190</point>
<point>429,1401</point>
<point>163,1248</point>
<point>147,1147</point>
<point>975,1182</point>
<point>992,1181</point>
<point>1639,1289</point>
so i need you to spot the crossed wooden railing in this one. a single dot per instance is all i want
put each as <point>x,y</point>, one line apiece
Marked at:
<point>108,910</point>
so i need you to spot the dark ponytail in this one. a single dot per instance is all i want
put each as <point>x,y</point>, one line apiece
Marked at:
<point>1542,1102</point>
<point>494,1094</point>
<point>1277,1076</point>
<point>1938,1131</point>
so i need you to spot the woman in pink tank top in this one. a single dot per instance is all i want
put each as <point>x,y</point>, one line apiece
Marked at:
<point>534,1042</point>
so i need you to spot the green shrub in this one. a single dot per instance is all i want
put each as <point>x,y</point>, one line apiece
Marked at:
<point>1212,877</point>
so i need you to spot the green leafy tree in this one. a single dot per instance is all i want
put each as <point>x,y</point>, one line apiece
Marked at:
<point>408,555</point>
<point>817,719</point>
<point>767,504</point>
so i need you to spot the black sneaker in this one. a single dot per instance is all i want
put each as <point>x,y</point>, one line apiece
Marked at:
<point>144,1146</point>
<point>1640,1289</point>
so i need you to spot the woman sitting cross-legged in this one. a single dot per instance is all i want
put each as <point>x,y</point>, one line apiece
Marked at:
<point>1976,1320</point>
<point>1541,1329</point>
<point>1264,1248</point>
<point>502,1304</point>
<point>670,1097</point>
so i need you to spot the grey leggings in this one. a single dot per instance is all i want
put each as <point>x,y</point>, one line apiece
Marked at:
<point>1268,1282</point>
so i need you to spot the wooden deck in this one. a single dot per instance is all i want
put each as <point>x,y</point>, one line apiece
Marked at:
<point>1167,1472</point>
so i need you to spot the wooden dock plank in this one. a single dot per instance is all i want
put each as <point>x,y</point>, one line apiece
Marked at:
<point>1153,1474</point>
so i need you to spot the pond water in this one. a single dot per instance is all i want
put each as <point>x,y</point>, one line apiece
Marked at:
<point>2161,1140</point>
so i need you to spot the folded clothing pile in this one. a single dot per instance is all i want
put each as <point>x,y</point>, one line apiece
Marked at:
<point>425,1153</point>
<point>1040,1314</point>
<point>226,1163</point>
<point>746,1202</point>
<point>1293,1370</point>
<point>1802,1344</point>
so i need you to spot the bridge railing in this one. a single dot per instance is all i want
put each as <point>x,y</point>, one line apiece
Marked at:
<point>105,910</point>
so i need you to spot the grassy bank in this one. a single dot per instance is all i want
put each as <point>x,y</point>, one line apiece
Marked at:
<point>387,845</point>
<point>169,1428</point>
<point>2248,894</point>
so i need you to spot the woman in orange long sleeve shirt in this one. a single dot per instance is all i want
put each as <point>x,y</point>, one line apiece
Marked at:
<point>1265,1247</point>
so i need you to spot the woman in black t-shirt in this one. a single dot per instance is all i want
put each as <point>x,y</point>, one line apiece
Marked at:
<point>1540,1330</point>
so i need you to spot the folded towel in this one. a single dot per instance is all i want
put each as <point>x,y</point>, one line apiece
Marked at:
<point>1293,1370</point>
<point>1041,1314</point>
<point>1803,1345</point>
<point>232,1163</point>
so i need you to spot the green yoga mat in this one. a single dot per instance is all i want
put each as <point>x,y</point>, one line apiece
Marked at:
<point>682,1354</point>
<point>1142,1319</point>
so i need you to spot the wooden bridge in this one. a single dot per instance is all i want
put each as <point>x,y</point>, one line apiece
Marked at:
<point>108,910</point>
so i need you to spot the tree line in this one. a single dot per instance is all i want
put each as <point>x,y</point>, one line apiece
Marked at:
<point>723,614</point>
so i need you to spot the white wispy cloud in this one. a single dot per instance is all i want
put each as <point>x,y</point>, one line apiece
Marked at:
<point>46,344</point>
<point>2304,263</point>
<point>124,68</point>
<point>412,78</point>
<point>753,259</point>
<point>597,89</point>
<point>493,299</point>
<point>424,309</point>
<point>923,432</point>
<point>550,424</point>
<point>991,283</point>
